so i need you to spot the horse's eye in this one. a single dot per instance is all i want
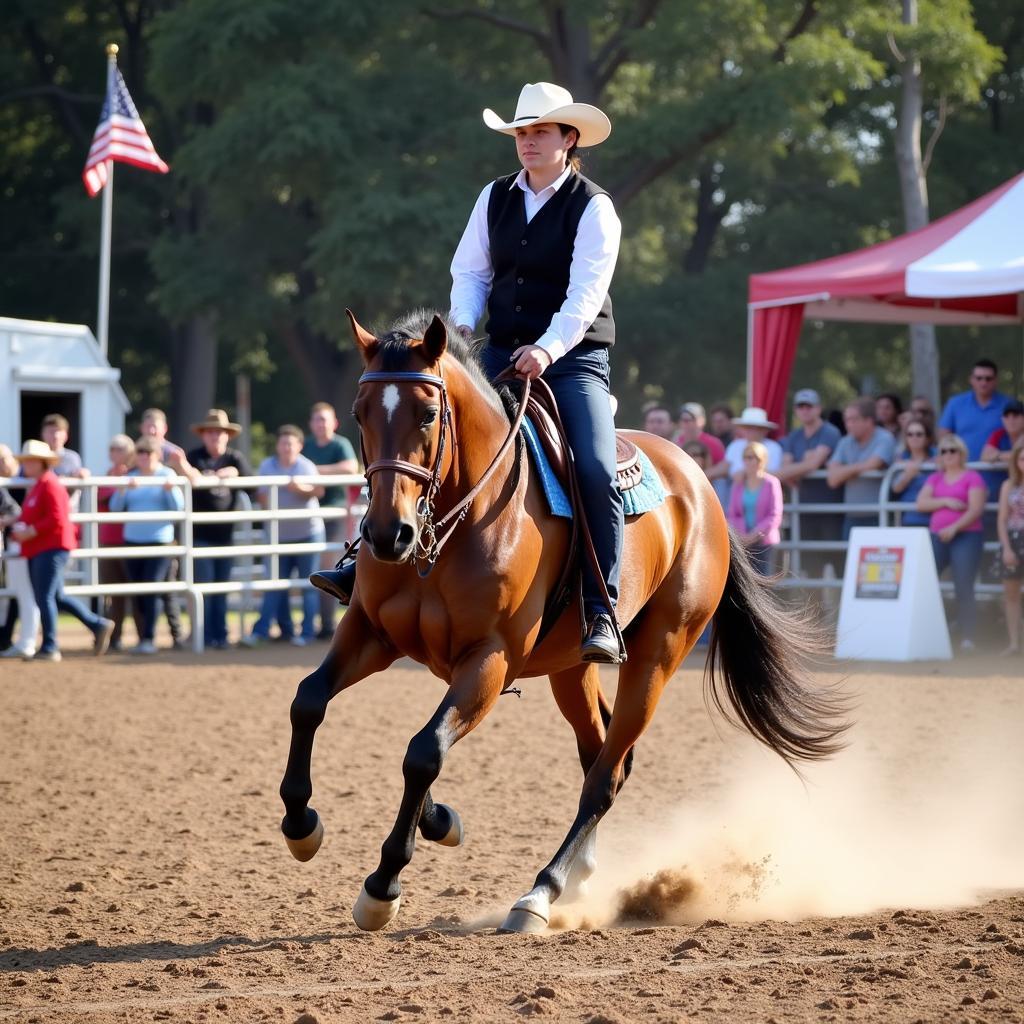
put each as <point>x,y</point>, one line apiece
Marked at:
<point>429,417</point>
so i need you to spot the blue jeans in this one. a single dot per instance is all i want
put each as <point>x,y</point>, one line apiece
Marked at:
<point>275,605</point>
<point>580,382</point>
<point>215,606</point>
<point>147,570</point>
<point>46,570</point>
<point>963,555</point>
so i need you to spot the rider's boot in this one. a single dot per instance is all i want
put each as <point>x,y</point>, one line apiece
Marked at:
<point>601,643</point>
<point>338,582</point>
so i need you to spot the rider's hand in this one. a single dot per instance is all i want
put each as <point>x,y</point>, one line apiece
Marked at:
<point>530,361</point>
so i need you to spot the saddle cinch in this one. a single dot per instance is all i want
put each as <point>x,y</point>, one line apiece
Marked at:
<point>542,412</point>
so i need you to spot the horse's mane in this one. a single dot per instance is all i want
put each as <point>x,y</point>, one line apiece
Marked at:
<point>394,350</point>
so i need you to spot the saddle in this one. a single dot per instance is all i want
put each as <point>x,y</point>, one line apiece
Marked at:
<point>542,411</point>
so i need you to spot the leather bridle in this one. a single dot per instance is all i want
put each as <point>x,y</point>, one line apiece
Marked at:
<point>432,536</point>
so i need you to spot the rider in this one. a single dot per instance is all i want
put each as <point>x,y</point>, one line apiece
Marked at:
<point>539,251</point>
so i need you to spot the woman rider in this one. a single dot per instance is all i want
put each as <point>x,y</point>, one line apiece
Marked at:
<point>539,251</point>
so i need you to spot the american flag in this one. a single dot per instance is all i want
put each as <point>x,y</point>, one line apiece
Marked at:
<point>120,135</point>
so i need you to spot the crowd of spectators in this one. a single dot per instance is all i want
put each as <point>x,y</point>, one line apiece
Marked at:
<point>823,460</point>
<point>842,457</point>
<point>39,536</point>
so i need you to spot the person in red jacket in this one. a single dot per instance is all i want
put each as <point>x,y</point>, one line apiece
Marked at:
<point>47,538</point>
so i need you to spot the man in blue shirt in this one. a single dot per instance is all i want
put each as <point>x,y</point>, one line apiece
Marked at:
<point>973,415</point>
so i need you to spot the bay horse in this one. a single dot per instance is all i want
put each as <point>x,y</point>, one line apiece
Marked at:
<point>431,426</point>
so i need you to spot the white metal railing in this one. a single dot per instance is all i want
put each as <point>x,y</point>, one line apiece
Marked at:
<point>87,557</point>
<point>886,509</point>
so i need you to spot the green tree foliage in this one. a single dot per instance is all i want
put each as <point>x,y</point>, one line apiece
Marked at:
<point>326,153</point>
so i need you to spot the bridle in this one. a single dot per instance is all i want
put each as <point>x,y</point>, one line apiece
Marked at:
<point>432,536</point>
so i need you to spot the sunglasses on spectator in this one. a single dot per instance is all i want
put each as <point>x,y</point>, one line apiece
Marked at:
<point>916,433</point>
<point>982,377</point>
<point>949,451</point>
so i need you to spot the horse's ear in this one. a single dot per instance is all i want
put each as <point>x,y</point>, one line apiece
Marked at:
<point>365,341</point>
<point>435,339</point>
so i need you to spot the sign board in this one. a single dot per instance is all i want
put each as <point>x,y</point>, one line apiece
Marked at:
<point>891,608</point>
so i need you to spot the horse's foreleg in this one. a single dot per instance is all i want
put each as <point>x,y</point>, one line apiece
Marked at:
<point>475,686</point>
<point>355,654</point>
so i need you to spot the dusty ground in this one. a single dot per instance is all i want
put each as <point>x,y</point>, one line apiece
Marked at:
<point>142,875</point>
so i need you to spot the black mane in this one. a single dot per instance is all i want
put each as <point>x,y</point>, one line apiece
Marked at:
<point>394,349</point>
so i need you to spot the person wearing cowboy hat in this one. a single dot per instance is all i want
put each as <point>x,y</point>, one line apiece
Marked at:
<point>47,538</point>
<point>752,425</point>
<point>215,458</point>
<point>539,252</point>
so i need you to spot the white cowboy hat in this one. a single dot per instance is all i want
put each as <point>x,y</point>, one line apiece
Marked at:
<point>542,102</point>
<point>753,416</point>
<point>37,450</point>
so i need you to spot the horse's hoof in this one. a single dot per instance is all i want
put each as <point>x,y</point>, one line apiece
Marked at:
<point>371,914</point>
<point>529,914</point>
<point>455,834</point>
<point>305,849</point>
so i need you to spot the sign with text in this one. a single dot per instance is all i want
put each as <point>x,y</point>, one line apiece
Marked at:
<point>891,608</point>
<point>879,572</point>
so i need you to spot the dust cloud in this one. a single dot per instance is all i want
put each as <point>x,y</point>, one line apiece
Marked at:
<point>922,826</point>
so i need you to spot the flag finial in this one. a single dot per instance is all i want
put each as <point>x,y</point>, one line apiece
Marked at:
<point>112,49</point>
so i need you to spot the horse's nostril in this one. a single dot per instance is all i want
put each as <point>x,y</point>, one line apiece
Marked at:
<point>406,535</point>
<point>364,531</point>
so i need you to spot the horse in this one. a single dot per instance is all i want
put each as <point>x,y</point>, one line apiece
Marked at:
<point>433,429</point>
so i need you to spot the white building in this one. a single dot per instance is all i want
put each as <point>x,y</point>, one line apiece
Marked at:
<point>58,368</point>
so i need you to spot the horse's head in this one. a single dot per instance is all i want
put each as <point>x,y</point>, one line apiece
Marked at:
<point>401,409</point>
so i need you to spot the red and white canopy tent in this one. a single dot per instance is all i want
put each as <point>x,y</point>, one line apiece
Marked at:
<point>966,268</point>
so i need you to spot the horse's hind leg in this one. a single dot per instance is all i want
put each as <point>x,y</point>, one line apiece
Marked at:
<point>577,692</point>
<point>440,823</point>
<point>658,641</point>
<point>354,654</point>
<point>475,686</point>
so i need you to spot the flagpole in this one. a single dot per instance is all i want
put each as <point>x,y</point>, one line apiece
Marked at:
<point>103,317</point>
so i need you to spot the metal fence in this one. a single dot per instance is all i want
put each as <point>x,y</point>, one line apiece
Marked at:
<point>256,546</point>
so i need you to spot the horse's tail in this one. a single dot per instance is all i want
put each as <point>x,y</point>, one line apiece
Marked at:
<point>760,650</point>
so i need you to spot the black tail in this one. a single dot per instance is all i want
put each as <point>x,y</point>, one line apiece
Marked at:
<point>760,650</point>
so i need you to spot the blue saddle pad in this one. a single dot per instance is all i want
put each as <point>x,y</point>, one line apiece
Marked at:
<point>646,495</point>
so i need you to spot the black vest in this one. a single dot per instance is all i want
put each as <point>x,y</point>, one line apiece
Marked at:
<point>531,262</point>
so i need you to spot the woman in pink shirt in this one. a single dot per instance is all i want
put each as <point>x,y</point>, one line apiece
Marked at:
<point>755,507</point>
<point>955,497</point>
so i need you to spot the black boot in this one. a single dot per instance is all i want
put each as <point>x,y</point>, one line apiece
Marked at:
<point>339,582</point>
<point>601,644</point>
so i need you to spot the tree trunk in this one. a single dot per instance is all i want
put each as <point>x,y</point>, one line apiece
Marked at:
<point>193,373</point>
<point>924,352</point>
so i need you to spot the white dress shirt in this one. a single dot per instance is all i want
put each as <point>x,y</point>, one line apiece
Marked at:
<point>590,273</point>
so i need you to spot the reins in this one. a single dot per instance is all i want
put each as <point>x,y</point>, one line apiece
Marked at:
<point>434,535</point>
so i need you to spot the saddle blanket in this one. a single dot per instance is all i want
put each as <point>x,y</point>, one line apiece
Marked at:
<point>647,494</point>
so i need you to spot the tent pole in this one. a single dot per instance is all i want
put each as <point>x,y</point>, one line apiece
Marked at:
<point>750,356</point>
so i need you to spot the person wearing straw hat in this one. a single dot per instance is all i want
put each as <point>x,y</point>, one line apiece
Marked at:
<point>215,458</point>
<point>539,252</point>
<point>47,538</point>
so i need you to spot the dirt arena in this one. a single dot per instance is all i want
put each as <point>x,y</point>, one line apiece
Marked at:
<point>143,877</point>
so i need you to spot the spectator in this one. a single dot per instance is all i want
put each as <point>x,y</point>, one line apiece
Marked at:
<point>921,408</point>
<point>907,483</point>
<point>215,458</point>
<point>1010,560</point>
<point>69,463</point>
<point>47,539</point>
<point>112,570</point>
<point>720,423</point>
<point>330,453</point>
<point>22,607</point>
<point>658,421</point>
<point>289,461</point>
<point>866,448</point>
<point>753,425</point>
<point>150,533</point>
<point>698,451</point>
<point>973,415</point>
<point>154,425</point>
<point>805,450</point>
<point>888,409</point>
<point>755,507</point>
<point>691,428</point>
<point>1000,442</point>
<point>955,497</point>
